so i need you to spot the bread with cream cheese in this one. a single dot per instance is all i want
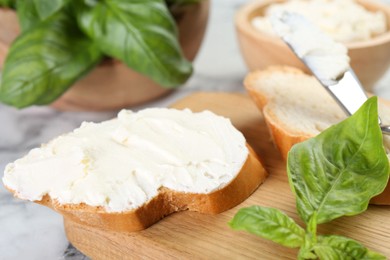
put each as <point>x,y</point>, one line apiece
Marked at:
<point>296,107</point>
<point>127,173</point>
<point>167,202</point>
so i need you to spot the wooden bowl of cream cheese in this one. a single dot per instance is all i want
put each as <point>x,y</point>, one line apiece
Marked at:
<point>370,58</point>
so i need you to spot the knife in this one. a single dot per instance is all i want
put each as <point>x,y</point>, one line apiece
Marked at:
<point>326,59</point>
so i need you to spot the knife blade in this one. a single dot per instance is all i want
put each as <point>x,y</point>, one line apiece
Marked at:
<point>326,59</point>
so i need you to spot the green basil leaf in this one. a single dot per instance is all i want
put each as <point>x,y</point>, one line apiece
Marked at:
<point>337,172</point>
<point>32,12</point>
<point>45,60</point>
<point>91,2</point>
<point>181,2</point>
<point>305,254</point>
<point>140,33</point>
<point>27,14</point>
<point>8,3</point>
<point>46,8</point>
<point>269,223</point>
<point>340,248</point>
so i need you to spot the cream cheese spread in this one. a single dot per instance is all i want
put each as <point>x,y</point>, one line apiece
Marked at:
<point>327,59</point>
<point>120,164</point>
<point>343,20</point>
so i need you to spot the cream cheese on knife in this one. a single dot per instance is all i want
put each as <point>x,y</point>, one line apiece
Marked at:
<point>328,59</point>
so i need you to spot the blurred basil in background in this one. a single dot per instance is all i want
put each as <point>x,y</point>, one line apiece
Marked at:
<point>62,40</point>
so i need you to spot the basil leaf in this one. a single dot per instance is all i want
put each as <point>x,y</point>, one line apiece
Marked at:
<point>8,3</point>
<point>45,60</point>
<point>305,253</point>
<point>91,2</point>
<point>140,33</point>
<point>340,248</point>
<point>269,223</point>
<point>337,172</point>
<point>31,12</point>
<point>27,14</point>
<point>181,2</point>
<point>46,8</point>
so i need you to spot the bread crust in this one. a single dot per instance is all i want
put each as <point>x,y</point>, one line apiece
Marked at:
<point>282,137</point>
<point>251,175</point>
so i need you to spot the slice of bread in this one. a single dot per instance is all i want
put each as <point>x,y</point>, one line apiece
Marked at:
<point>73,168</point>
<point>168,201</point>
<point>296,107</point>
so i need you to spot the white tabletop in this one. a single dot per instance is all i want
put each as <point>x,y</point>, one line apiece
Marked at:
<point>31,231</point>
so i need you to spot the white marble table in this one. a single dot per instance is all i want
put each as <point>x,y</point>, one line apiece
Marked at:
<point>30,231</point>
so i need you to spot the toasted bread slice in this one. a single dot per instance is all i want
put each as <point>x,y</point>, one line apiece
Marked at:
<point>296,107</point>
<point>167,202</point>
<point>72,174</point>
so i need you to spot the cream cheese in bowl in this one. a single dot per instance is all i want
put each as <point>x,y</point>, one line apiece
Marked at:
<point>343,20</point>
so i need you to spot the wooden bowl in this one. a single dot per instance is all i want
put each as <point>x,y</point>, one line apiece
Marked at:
<point>369,59</point>
<point>112,85</point>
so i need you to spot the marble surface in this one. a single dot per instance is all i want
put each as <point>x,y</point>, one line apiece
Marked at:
<point>30,231</point>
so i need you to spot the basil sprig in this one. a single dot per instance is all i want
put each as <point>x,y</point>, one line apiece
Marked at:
<point>178,3</point>
<point>8,3</point>
<point>28,15</point>
<point>333,174</point>
<point>140,33</point>
<point>45,60</point>
<point>47,8</point>
<point>62,40</point>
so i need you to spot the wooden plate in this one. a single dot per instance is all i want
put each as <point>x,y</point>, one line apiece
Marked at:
<point>190,235</point>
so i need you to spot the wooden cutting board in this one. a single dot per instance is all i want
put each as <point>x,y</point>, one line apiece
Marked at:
<point>190,235</point>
